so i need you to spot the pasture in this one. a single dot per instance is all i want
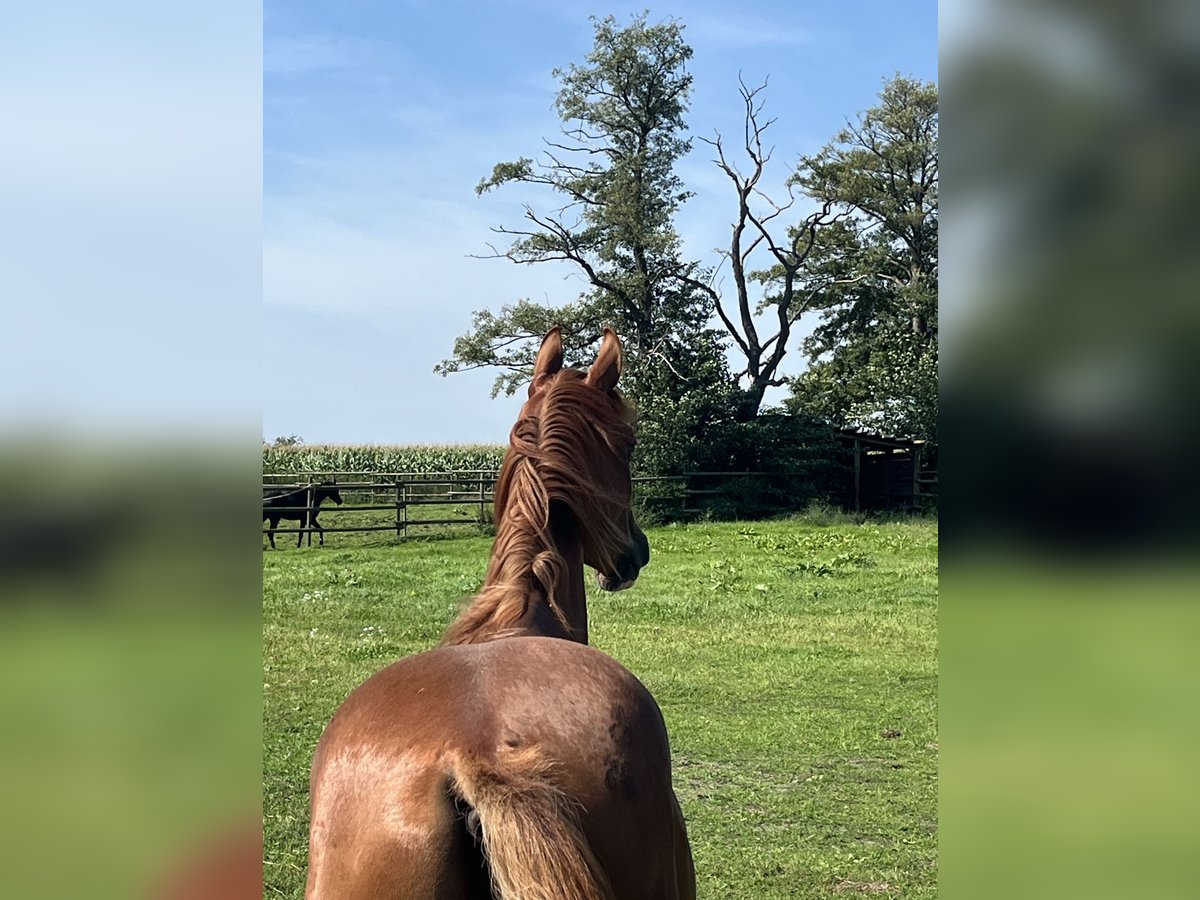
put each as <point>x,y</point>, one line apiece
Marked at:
<point>795,662</point>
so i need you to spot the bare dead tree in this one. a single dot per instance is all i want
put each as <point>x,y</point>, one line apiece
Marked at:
<point>751,232</point>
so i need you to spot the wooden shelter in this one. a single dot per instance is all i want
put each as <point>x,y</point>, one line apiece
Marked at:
<point>889,473</point>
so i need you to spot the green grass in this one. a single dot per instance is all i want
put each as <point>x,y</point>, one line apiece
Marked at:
<point>795,663</point>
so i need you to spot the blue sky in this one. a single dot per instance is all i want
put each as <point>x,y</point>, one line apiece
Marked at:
<point>130,211</point>
<point>381,117</point>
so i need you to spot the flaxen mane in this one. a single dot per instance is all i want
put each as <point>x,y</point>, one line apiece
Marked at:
<point>561,452</point>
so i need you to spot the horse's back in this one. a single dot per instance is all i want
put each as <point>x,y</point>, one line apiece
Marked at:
<point>522,689</point>
<point>277,504</point>
<point>384,775</point>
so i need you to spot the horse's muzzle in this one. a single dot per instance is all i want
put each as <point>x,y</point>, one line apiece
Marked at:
<point>613,584</point>
<point>629,566</point>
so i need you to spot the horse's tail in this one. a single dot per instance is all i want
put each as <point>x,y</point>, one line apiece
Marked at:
<point>532,839</point>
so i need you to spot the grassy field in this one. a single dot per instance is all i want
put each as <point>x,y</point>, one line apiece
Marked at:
<point>795,662</point>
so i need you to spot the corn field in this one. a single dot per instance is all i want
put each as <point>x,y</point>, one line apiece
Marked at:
<point>374,458</point>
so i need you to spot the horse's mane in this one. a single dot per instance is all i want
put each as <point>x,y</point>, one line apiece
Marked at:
<point>550,457</point>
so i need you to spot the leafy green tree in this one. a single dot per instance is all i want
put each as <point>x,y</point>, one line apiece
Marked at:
<point>613,172</point>
<point>873,357</point>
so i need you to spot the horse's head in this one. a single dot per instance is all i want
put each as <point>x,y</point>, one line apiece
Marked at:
<point>579,431</point>
<point>328,490</point>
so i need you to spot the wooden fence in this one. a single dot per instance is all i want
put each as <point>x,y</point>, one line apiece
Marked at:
<point>393,493</point>
<point>409,498</point>
<point>881,474</point>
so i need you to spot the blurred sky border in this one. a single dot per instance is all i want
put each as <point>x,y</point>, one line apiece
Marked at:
<point>130,202</point>
<point>379,120</point>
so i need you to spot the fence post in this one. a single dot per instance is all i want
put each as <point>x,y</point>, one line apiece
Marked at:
<point>916,484</point>
<point>401,509</point>
<point>857,474</point>
<point>305,523</point>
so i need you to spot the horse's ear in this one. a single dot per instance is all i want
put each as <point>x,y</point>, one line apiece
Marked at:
<point>607,368</point>
<point>549,359</point>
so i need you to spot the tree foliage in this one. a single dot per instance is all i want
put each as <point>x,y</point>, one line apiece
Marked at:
<point>865,259</point>
<point>873,357</point>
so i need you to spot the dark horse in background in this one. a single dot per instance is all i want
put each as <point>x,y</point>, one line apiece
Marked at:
<point>515,762</point>
<point>300,505</point>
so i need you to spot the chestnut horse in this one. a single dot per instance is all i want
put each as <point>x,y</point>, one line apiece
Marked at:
<point>513,761</point>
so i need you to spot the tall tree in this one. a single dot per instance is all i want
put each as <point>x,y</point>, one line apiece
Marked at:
<point>873,357</point>
<point>613,169</point>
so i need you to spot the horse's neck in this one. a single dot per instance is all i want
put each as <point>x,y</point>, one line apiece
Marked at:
<point>563,550</point>
<point>514,599</point>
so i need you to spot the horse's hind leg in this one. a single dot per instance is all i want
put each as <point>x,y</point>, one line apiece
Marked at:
<point>399,871</point>
<point>362,856</point>
<point>273,524</point>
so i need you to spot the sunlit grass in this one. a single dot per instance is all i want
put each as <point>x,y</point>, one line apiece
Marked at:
<point>795,663</point>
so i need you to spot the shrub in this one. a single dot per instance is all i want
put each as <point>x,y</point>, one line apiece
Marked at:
<point>793,461</point>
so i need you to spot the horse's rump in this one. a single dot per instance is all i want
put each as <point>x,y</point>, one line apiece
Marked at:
<point>576,812</point>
